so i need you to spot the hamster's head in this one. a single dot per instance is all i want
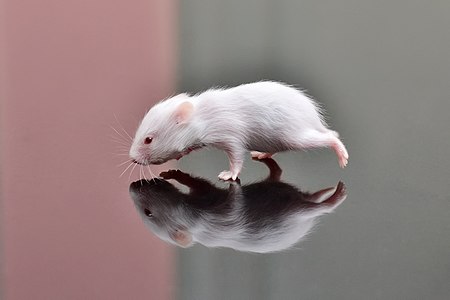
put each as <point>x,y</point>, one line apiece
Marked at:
<point>163,209</point>
<point>165,133</point>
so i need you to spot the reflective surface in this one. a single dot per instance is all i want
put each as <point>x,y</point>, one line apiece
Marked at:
<point>381,70</point>
<point>262,217</point>
<point>71,69</point>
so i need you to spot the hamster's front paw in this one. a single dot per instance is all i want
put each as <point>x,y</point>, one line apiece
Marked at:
<point>227,175</point>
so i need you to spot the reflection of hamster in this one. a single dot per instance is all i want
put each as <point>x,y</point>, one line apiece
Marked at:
<point>263,117</point>
<point>263,217</point>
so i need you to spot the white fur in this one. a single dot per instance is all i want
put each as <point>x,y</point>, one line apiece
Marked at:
<point>266,116</point>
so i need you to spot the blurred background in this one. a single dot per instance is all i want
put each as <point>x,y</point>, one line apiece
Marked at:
<point>71,70</point>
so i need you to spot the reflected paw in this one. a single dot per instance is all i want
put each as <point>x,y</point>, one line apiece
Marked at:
<point>339,195</point>
<point>170,174</point>
<point>227,175</point>
<point>341,190</point>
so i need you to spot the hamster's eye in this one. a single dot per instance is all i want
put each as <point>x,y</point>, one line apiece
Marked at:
<point>148,213</point>
<point>148,140</point>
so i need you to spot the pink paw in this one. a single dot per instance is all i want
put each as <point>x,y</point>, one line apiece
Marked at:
<point>342,154</point>
<point>260,155</point>
<point>227,175</point>
<point>343,162</point>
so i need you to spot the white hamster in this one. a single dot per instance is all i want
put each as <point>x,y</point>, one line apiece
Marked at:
<point>263,117</point>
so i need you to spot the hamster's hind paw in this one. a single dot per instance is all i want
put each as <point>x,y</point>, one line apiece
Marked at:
<point>341,153</point>
<point>227,175</point>
<point>343,162</point>
<point>260,155</point>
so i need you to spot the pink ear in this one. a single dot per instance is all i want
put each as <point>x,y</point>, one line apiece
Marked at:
<point>184,112</point>
<point>182,237</point>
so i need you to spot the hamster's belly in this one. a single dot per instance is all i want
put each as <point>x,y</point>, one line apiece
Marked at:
<point>269,143</point>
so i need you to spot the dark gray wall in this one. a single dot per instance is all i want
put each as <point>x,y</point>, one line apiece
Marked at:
<point>382,71</point>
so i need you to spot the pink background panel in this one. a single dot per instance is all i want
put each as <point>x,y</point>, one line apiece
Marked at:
<point>70,230</point>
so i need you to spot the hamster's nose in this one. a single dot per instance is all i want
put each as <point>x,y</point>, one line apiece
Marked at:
<point>142,163</point>
<point>136,162</point>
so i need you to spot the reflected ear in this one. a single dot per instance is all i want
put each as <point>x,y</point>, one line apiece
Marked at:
<point>183,238</point>
<point>183,112</point>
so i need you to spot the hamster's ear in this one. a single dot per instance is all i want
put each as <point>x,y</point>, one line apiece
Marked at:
<point>183,238</point>
<point>183,112</point>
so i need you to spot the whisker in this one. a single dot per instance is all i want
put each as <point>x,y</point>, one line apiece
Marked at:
<point>131,172</point>
<point>127,161</point>
<point>126,169</point>
<point>143,174</point>
<point>121,152</point>
<point>123,129</point>
<point>125,138</point>
<point>117,135</point>
<point>120,142</point>
<point>122,147</point>
<point>151,173</point>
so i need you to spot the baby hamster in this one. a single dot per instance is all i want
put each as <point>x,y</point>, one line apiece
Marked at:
<point>263,217</point>
<point>263,117</point>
